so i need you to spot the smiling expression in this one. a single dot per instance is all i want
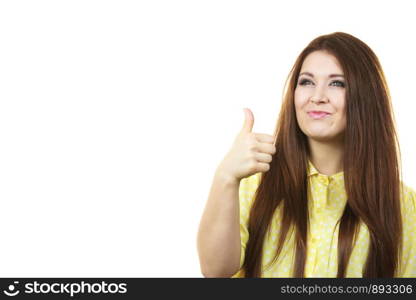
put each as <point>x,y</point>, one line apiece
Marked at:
<point>321,87</point>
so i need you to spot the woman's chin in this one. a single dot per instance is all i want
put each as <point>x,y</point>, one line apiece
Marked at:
<point>321,137</point>
<point>325,137</point>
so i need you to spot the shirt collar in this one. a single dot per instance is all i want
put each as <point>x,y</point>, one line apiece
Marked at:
<point>312,171</point>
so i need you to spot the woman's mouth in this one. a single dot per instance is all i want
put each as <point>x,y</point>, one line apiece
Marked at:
<point>318,115</point>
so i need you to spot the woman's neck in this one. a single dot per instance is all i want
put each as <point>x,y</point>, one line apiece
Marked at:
<point>327,157</point>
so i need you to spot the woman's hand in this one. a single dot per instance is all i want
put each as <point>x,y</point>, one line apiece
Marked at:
<point>250,153</point>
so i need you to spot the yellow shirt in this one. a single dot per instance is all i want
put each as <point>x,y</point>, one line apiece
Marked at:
<point>328,198</point>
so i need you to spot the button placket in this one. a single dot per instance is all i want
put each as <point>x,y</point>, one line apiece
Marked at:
<point>319,216</point>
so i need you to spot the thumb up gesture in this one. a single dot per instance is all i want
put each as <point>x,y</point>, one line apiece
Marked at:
<point>250,153</point>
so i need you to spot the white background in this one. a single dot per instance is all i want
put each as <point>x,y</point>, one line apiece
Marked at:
<point>115,114</point>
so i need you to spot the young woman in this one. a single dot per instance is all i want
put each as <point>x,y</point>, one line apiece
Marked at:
<point>323,196</point>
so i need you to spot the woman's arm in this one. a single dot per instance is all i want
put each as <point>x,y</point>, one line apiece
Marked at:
<point>219,242</point>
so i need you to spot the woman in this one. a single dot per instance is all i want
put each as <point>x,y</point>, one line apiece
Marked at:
<point>323,196</point>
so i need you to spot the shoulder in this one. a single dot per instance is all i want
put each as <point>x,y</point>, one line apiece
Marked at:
<point>251,181</point>
<point>408,199</point>
<point>248,187</point>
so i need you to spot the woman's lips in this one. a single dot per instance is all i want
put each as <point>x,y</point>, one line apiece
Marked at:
<point>318,115</point>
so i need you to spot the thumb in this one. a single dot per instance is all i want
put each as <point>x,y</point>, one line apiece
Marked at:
<point>249,120</point>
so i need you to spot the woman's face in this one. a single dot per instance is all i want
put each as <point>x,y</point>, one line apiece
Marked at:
<point>318,89</point>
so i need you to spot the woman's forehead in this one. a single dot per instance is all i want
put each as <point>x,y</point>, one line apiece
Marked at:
<point>321,64</point>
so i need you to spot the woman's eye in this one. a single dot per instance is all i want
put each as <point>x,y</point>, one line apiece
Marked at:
<point>338,83</point>
<point>304,81</point>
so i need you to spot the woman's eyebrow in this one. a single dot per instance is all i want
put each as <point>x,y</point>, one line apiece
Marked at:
<point>330,75</point>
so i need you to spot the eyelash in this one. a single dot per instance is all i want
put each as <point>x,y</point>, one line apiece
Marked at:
<point>303,81</point>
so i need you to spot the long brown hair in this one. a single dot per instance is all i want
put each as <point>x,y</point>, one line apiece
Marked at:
<point>372,168</point>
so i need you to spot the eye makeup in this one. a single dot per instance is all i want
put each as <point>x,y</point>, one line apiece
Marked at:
<point>305,81</point>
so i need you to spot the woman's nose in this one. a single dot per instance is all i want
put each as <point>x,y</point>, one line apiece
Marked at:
<point>319,95</point>
<point>319,99</point>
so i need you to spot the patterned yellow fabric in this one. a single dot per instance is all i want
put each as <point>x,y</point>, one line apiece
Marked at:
<point>327,197</point>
